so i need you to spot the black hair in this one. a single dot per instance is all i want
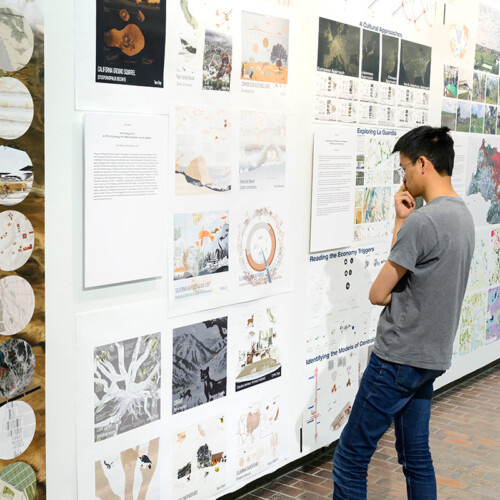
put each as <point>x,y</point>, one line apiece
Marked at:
<point>432,142</point>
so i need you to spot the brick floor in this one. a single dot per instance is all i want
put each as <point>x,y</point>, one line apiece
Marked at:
<point>465,442</point>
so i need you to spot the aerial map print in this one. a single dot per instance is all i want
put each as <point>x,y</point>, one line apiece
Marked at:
<point>338,48</point>
<point>472,326</point>
<point>17,303</point>
<point>17,366</point>
<point>493,316</point>
<point>126,385</point>
<point>486,180</point>
<point>415,65</point>
<point>16,40</point>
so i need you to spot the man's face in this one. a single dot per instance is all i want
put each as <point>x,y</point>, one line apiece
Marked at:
<point>411,177</point>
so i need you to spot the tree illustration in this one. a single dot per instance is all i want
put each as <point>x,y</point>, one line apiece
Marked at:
<point>126,395</point>
<point>279,55</point>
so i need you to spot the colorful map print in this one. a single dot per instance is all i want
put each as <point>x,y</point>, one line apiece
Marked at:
<point>494,260</point>
<point>377,204</point>
<point>486,180</point>
<point>471,335</point>
<point>493,316</point>
<point>478,275</point>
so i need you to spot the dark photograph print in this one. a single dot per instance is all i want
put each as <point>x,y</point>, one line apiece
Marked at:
<point>370,62</point>
<point>415,65</point>
<point>338,48</point>
<point>130,42</point>
<point>390,59</point>
<point>199,370</point>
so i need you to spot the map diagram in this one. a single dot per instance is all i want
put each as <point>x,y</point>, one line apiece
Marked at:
<point>478,275</point>
<point>493,316</point>
<point>494,258</point>
<point>17,428</point>
<point>17,303</point>
<point>199,459</point>
<point>129,475</point>
<point>17,240</point>
<point>472,326</point>
<point>261,247</point>
<point>259,358</point>
<point>199,364</point>
<point>259,437</point>
<point>17,366</point>
<point>485,181</point>
<point>16,40</point>
<point>203,151</point>
<point>262,164</point>
<point>377,204</point>
<point>127,382</point>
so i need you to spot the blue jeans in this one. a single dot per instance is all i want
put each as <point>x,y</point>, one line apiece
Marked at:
<point>388,392</point>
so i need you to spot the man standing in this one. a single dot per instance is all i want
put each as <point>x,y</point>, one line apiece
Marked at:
<point>421,285</point>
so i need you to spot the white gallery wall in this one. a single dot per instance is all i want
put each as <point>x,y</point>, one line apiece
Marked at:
<point>321,328</point>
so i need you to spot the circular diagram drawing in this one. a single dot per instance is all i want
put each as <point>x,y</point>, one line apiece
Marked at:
<point>17,240</point>
<point>16,177</point>
<point>17,366</point>
<point>17,302</point>
<point>16,108</point>
<point>16,40</point>
<point>260,246</point>
<point>17,428</point>
<point>20,479</point>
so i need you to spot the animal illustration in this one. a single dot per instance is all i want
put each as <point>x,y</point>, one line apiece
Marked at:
<point>250,321</point>
<point>108,466</point>
<point>212,387</point>
<point>144,459</point>
<point>251,354</point>
<point>186,394</point>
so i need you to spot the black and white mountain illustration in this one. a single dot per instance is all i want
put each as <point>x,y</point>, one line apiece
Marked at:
<point>199,364</point>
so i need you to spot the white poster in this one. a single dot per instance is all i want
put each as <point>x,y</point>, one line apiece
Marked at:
<point>199,459</point>
<point>121,400</point>
<point>331,383</point>
<point>333,188</point>
<point>125,163</point>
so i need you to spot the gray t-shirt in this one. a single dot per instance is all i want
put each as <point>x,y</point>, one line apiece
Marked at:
<point>435,244</point>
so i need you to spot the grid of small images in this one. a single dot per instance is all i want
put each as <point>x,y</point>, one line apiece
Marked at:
<point>470,95</point>
<point>367,77</point>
